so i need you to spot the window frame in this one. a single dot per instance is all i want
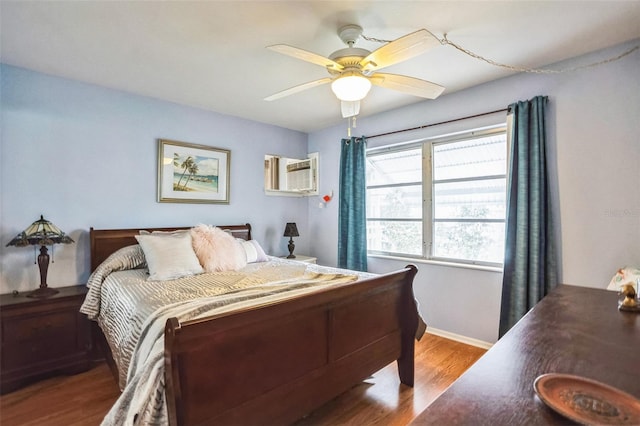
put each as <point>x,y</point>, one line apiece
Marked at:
<point>428,213</point>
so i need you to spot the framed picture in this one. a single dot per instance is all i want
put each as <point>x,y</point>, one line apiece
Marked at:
<point>190,173</point>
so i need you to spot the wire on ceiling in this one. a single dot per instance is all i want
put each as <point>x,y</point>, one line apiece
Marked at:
<point>446,41</point>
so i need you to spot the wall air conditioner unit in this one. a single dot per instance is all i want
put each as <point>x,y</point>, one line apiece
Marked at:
<point>299,175</point>
<point>291,176</point>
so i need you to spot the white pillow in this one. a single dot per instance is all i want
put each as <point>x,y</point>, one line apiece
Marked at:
<point>169,256</point>
<point>217,250</point>
<point>252,250</point>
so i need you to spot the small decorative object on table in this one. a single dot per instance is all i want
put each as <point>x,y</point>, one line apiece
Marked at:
<point>587,401</point>
<point>629,303</point>
<point>291,230</point>
<point>41,233</point>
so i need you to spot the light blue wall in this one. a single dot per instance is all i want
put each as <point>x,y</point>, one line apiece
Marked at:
<point>85,156</point>
<point>594,136</point>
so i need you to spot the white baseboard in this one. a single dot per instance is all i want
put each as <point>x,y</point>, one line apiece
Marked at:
<point>459,338</point>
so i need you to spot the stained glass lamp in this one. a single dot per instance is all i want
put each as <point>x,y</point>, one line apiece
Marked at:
<point>41,233</point>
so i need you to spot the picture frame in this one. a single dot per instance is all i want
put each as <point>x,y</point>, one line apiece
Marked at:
<point>191,173</point>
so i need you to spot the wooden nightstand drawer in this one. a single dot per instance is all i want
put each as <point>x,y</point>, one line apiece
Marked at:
<point>41,327</point>
<point>42,337</point>
<point>25,340</point>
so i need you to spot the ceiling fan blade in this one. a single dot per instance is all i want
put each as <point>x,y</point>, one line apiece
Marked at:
<point>350,108</point>
<point>298,88</point>
<point>399,50</point>
<point>411,85</point>
<point>306,56</point>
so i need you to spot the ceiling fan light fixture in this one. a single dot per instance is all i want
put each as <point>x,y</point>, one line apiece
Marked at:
<point>351,87</point>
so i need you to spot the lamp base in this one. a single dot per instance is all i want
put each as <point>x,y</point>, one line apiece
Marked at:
<point>291,246</point>
<point>43,292</point>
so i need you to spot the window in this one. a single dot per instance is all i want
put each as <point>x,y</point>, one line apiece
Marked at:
<point>441,199</point>
<point>394,202</point>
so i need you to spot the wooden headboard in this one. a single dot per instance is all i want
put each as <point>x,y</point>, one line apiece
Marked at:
<point>106,241</point>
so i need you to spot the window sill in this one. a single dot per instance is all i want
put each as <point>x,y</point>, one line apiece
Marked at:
<point>438,263</point>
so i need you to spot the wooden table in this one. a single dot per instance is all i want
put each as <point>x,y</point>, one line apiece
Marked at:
<point>573,330</point>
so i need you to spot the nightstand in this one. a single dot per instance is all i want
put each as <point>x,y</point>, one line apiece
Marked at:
<point>42,337</point>
<point>305,259</point>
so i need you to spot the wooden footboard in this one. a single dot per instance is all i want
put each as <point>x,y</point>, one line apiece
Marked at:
<point>274,363</point>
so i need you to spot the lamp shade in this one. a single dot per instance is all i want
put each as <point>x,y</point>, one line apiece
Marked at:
<point>291,230</point>
<point>40,233</point>
<point>351,87</point>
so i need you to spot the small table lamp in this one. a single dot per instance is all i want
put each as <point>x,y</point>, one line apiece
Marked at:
<point>291,230</point>
<point>41,233</point>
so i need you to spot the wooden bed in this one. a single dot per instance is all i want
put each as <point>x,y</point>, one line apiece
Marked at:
<point>311,348</point>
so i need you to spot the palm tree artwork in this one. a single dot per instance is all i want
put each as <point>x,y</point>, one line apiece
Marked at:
<point>193,170</point>
<point>187,177</point>
<point>186,164</point>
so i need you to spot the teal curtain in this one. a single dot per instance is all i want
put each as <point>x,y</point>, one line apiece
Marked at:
<point>530,263</point>
<point>352,220</point>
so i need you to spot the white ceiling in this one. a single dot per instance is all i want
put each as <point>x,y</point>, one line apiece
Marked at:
<point>211,54</point>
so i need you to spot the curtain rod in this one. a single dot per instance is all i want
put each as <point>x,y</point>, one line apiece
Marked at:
<point>424,126</point>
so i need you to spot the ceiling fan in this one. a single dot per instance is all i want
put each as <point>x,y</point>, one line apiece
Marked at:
<point>353,70</point>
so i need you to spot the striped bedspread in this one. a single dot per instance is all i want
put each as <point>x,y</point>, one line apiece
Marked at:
<point>132,313</point>
<point>143,399</point>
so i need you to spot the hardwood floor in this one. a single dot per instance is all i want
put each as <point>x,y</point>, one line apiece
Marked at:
<point>84,399</point>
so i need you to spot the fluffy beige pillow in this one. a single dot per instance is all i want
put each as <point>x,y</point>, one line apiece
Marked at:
<point>217,250</point>
<point>169,256</point>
